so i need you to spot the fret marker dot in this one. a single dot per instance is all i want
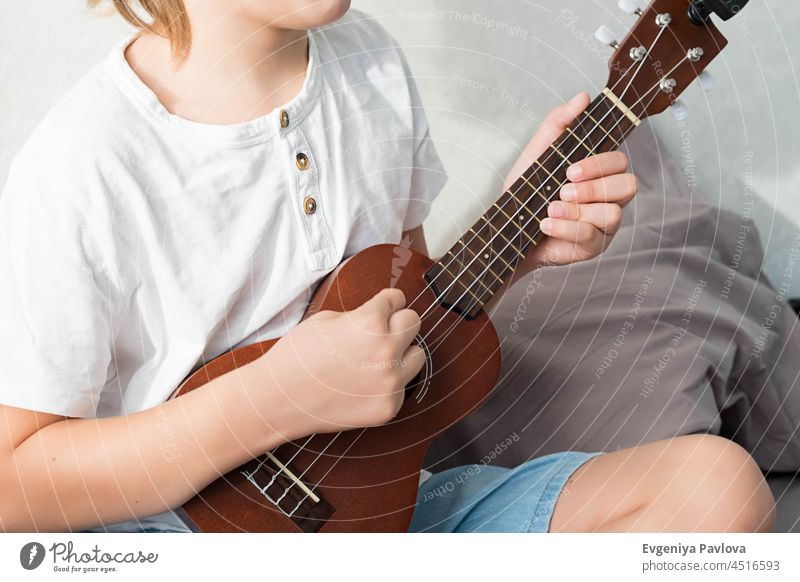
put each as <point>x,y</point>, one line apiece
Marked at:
<point>486,256</point>
<point>549,188</point>
<point>521,217</point>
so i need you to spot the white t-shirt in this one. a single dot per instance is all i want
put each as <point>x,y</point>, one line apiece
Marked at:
<point>136,245</point>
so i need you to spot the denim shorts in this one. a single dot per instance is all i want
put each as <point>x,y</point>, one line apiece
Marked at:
<point>482,498</point>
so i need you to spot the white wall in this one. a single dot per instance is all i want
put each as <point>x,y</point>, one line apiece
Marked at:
<point>526,63</point>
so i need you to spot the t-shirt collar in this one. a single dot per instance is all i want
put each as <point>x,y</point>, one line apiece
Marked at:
<point>233,135</point>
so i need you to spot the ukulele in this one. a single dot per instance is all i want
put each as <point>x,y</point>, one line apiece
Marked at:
<point>366,480</point>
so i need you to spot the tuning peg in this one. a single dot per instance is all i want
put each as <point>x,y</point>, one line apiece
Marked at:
<point>706,81</point>
<point>679,110</point>
<point>630,7</point>
<point>605,36</point>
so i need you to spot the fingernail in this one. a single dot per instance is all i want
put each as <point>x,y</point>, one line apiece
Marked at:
<point>546,225</point>
<point>574,172</point>
<point>556,210</point>
<point>569,192</point>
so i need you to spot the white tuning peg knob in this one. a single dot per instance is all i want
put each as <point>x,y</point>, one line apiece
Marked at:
<point>706,81</point>
<point>606,37</point>
<point>630,7</point>
<point>679,110</point>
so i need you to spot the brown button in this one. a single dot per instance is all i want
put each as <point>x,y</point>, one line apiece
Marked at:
<point>284,118</point>
<point>302,161</point>
<point>309,205</point>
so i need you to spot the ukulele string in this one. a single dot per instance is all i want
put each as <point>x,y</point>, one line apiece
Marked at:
<point>504,205</point>
<point>467,290</point>
<point>280,469</point>
<point>328,472</point>
<point>427,311</point>
<point>303,474</point>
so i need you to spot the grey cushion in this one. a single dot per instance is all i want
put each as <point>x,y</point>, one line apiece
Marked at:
<point>786,489</point>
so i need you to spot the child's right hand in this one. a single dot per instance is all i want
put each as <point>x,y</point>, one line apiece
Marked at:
<point>339,371</point>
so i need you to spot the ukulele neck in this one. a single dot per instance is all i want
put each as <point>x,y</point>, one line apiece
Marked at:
<point>482,260</point>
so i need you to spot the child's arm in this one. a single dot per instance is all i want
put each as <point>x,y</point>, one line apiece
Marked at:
<point>71,474</point>
<point>60,474</point>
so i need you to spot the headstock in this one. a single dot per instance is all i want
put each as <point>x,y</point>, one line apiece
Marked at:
<point>661,56</point>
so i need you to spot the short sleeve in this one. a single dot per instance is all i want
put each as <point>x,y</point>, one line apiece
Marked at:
<point>429,176</point>
<point>55,299</point>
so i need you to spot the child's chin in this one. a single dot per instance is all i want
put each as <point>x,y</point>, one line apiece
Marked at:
<point>335,9</point>
<point>321,12</point>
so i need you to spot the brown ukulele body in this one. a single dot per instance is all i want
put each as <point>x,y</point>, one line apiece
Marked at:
<point>365,480</point>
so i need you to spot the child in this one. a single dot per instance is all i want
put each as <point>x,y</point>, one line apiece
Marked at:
<point>184,199</point>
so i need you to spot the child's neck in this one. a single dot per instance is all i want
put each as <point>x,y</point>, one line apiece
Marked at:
<point>230,75</point>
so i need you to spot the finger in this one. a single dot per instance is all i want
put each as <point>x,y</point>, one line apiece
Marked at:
<point>413,360</point>
<point>385,303</point>
<point>404,326</point>
<point>557,121</point>
<point>619,188</point>
<point>598,166</point>
<point>605,217</point>
<point>581,233</point>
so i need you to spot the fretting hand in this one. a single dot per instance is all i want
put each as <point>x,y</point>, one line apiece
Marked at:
<point>582,223</point>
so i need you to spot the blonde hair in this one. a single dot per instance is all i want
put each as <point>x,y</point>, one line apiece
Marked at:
<point>168,19</point>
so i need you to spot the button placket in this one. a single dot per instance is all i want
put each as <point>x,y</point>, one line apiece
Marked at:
<point>308,195</point>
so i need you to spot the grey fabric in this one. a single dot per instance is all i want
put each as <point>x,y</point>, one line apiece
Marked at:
<point>786,490</point>
<point>671,331</point>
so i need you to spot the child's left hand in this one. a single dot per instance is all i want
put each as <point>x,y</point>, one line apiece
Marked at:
<point>582,223</point>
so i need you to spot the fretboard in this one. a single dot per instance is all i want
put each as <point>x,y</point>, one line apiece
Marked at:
<point>484,259</point>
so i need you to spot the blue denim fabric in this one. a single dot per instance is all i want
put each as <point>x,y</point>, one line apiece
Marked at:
<point>481,498</point>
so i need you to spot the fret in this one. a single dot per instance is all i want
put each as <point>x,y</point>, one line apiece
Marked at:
<point>531,215</point>
<point>558,151</point>
<point>524,179</point>
<point>597,123</point>
<point>515,221</point>
<point>511,221</point>
<point>534,188</point>
<point>581,141</point>
<point>614,125</point>
<point>478,256</point>
<point>486,244</point>
<point>524,222</point>
<point>538,190</point>
<point>522,205</point>
<point>499,231</point>
<point>534,214</point>
<point>480,260</point>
